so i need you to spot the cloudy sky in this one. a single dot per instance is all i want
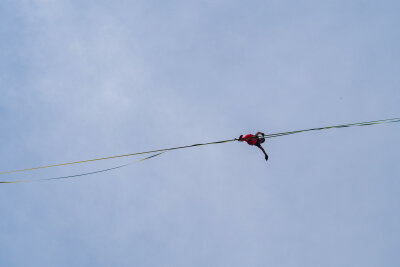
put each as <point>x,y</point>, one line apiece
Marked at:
<point>85,79</point>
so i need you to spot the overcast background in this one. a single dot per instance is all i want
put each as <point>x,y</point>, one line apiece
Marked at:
<point>85,79</point>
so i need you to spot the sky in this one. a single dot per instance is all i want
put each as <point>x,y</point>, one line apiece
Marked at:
<point>86,79</point>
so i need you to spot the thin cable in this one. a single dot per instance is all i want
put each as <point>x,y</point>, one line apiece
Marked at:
<point>77,175</point>
<point>336,126</point>
<point>119,156</point>
<point>210,143</point>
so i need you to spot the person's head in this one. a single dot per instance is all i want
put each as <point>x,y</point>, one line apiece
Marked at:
<point>261,137</point>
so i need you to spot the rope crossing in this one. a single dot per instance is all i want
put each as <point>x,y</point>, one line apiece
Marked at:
<point>160,151</point>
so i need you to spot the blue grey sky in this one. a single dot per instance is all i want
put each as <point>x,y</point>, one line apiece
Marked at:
<point>85,79</point>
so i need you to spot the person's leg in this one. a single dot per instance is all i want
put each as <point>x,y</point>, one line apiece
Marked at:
<point>262,149</point>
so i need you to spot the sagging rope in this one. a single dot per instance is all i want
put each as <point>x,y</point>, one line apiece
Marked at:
<point>77,175</point>
<point>209,143</point>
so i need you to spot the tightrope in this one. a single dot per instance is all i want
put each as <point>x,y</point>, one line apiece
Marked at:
<point>209,143</point>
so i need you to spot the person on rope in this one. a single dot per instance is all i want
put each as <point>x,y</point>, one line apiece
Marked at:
<point>255,140</point>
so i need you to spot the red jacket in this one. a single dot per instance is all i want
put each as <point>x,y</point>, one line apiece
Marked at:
<point>250,139</point>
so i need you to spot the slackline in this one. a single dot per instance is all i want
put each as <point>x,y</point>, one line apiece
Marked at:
<point>209,143</point>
